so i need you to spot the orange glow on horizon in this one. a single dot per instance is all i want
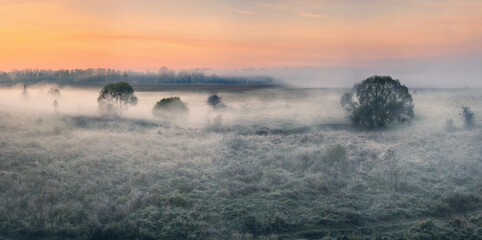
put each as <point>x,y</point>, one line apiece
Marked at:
<point>150,34</point>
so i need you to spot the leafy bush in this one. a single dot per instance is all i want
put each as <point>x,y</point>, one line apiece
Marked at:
<point>379,101</point>
<point>468,116</point>
<point>169,108</point>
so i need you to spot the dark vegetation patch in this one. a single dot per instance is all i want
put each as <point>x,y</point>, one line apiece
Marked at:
<point>103,123</point>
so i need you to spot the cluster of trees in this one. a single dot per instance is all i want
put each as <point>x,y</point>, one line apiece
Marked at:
<point>376,102</point>
<point>116,96</point>
<point>102,76</point>
<point>67,76</point>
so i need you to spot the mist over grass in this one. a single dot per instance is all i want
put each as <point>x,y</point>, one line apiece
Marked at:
<point>284,165</point>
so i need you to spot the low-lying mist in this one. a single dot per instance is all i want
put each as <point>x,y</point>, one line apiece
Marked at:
<point>271,106</point>
<point>279,164</point>
<point>299,106</point>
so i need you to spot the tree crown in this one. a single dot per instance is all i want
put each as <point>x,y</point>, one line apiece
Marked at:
<point>379,101</point>
<point>114,96</point>
<point>120,91</point>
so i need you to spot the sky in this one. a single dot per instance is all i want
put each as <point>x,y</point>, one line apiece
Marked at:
<point>338,38</point>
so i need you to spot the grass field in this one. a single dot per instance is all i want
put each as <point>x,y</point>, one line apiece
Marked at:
<point>282,164</point>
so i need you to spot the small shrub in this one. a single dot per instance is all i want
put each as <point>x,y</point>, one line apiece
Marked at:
<point>459,222</point>
<point>388,159</point>
<point>217,124</point>
<point>57,130</point>
<point>178,200</point>
<point>468,116</point>
<point>449,125</point>
<point>216,101</point>
<point>171,107</point>
<point>54,92</point>
<point>461,201</point>
<point>335,155</point>
<point>425,226</point>
<point>391,166</point>
<point>266,224</point>
<point>56,106</point>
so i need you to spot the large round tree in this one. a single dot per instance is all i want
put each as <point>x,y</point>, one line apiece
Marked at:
<point>115,96</point>
<point>378,101</point>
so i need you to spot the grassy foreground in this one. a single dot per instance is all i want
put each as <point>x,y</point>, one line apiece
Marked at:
<point>69,177</point>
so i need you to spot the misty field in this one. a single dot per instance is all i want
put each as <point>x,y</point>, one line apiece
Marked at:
<point>274,164</point>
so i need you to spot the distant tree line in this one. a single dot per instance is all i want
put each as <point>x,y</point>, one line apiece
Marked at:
<point>103,76</point>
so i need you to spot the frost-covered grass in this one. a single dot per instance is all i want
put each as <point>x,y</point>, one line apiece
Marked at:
<point>270,173</point>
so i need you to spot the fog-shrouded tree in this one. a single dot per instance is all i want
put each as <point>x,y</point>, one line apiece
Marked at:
<point>56,106</point>
<point>54,92</point>
<point>468,116</point>
<point>25,94</point>
<point>170,108</point>
<point>377,102</point>
<point>449,125</point>
<point>115,96</point>
<point>215,101</point>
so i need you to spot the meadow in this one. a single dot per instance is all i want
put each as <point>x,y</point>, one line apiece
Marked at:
<point>279,163</point>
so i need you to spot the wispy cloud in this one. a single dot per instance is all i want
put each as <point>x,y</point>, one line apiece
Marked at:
<point>240,11</point>
<point>276,6</point>
<point>310,15</point>
<point>244,12</point>
<point>292,4</point>
<point>13,2</point>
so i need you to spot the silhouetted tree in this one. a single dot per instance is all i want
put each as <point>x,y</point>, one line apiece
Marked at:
<point>379,101</point>
<point>115,96</point>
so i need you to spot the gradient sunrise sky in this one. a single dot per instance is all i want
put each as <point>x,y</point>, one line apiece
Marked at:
<point>147,34</point>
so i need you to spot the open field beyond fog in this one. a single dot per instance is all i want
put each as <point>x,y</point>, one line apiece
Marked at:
<point>273,168</point>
